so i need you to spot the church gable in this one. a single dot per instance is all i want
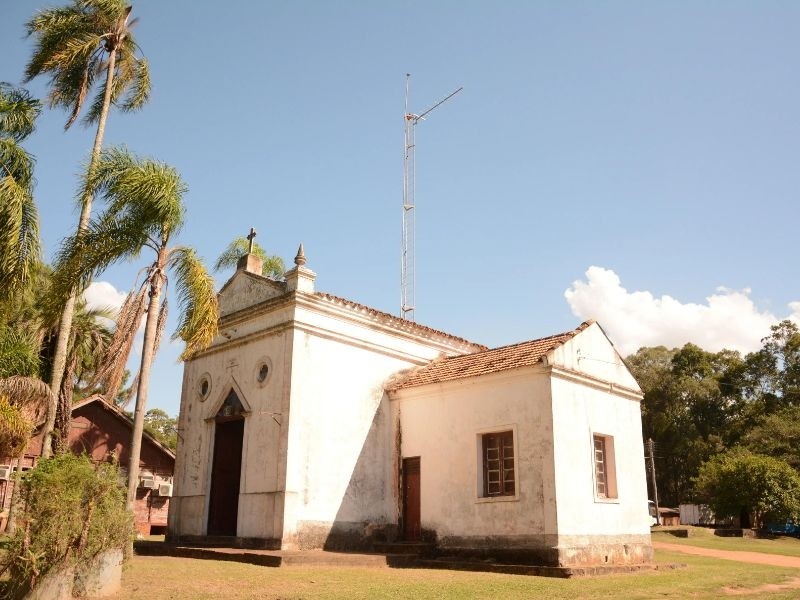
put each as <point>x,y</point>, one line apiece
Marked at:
<point>247,289</point>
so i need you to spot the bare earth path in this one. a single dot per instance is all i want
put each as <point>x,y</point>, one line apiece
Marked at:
<point>748,557</point>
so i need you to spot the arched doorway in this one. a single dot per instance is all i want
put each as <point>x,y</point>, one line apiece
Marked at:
<point>226,469</point>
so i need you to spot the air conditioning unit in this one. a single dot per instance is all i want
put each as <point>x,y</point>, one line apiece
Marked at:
<point>165,489</point>
<point>5,471</point>
<point>147,482</point>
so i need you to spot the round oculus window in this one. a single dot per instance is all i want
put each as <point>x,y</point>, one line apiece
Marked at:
<point>204,387</point>
<point>262,371</point>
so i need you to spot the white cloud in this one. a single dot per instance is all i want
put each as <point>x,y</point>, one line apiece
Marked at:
<point>728,319</point>
<point>101,294</point>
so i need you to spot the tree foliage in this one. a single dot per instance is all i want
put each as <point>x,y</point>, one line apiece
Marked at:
<point>72,47</point>
<point>20,249</point>
<point>144,209</point>
<point>73,511</point>
<point>698,404</point>
<point>738,481</point>
<point>162,427</point>
<point>272,266</point>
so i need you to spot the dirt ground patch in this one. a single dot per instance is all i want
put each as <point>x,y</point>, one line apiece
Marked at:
<point>756,558</point>
<point>767,588</point>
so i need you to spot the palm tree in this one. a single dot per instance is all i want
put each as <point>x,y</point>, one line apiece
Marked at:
<point>75,46</point>
<point>144,210</point>
<point>272,266</point>
<point>20,249</point>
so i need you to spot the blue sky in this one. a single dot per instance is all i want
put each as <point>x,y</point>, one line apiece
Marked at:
<point>657,142</point>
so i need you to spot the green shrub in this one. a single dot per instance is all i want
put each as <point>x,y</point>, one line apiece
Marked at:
<point>72,512</point>
<point>738,480</point>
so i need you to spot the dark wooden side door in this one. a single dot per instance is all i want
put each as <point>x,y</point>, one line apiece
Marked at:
<point>226,469</point>
<point>411,499</point>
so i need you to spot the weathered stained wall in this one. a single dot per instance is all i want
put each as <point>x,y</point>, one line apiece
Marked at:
<point>593,393</point>
<point>232,365</point>
<point>442,424</point>
<point>340,483</point>
<point>317,466</point>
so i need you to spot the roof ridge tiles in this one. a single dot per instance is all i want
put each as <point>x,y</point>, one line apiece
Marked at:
<point>483,362</point>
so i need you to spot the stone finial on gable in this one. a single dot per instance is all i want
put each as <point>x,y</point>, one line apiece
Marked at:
<point>300,259</point>
<point>300,279</point>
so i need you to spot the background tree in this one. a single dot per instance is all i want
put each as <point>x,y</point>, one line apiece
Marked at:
<point>79,46</point>
<point>687,408</point>
<point>20,249</point>
<point>777,435</point>
<point>162,427</point>
<point>739,483</point>
<point>144,209</point>
<point>272,266</point>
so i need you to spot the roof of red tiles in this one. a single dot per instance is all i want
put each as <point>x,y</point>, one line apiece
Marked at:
<point>494,360</point>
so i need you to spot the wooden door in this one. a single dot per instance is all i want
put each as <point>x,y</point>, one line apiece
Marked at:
<point>223,510</point>
<point>411,499</point>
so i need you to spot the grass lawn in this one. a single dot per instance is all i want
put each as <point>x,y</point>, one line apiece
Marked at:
<point>704,538</point>
<point>182,578</point>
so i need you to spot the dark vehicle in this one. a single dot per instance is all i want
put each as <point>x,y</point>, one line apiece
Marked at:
<point>787,528</point>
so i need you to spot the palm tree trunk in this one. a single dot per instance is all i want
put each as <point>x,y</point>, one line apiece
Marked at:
<point>65,326</point>
<point>148,353</point>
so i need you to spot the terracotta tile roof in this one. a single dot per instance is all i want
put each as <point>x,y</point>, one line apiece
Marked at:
<point>449,368</point>
<point>395,322</point>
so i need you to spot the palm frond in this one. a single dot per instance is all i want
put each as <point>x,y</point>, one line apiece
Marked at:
<point>111,372</point>
<point>144,189</point>
<point>161,325</point>
<point>139,87</point>
<point>20,248</point>
<point>19,350</point>
<point>273,266</point>
<point>18,112</point>
<point>31,395</point>
<point>69,45</point>
<point>15,429</point>
<point>197,299</point>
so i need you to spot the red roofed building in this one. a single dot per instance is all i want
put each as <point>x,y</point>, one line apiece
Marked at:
<point>103,432</point>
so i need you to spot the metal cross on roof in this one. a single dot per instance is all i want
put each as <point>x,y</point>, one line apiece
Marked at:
<point>250,237</point>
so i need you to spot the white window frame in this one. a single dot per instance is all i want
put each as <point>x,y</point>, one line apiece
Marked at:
<point>480,498</point>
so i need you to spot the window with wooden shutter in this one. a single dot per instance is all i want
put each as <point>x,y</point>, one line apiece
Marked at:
<point>498,464</point>
<point>605,477</point>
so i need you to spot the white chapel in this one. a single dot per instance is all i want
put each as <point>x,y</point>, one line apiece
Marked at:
<point>313,421</point>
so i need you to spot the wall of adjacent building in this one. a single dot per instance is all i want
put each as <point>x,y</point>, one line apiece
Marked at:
<point>443,424</point>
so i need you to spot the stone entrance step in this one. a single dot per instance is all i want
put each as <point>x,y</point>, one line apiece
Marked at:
<point>405,548</point>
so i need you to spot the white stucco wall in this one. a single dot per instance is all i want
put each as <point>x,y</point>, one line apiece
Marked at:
<point>594,393</point>
<point>261,478</point>
<point>442,423</point>
<point>317,448</point>
<point>579,412</point>
<point>341,463</point>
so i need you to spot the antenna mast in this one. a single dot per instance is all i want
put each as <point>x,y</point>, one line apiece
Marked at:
<point>408,259</point>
